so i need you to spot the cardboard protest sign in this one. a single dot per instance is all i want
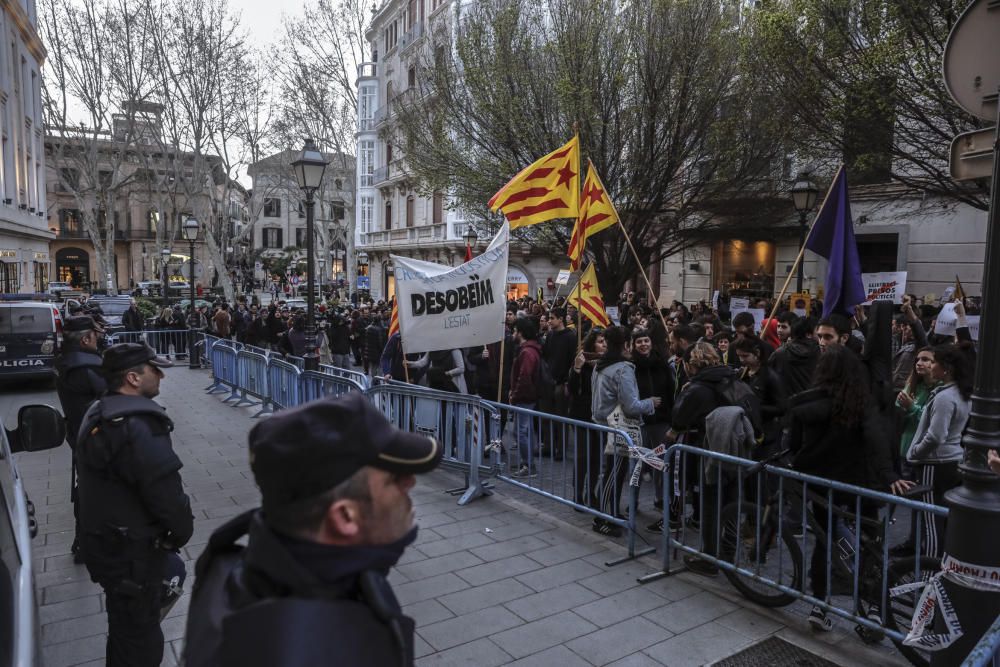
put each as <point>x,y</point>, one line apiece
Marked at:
<point>800,303</point>
<point>759,315</point>
<point>885,286</point>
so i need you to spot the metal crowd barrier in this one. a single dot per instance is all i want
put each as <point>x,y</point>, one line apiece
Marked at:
<point>459,422</point>
<point>224,370</point>
<point>251,377</point>
<point>283,383</point>
<point>585,465</point>
<point>986,652</point>
<point>357,376</point>
<point>298,362</point>
<point>779,536</point>
<point>315,384</point>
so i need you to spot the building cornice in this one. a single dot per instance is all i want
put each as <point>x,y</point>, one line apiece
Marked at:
<point>28,33</point>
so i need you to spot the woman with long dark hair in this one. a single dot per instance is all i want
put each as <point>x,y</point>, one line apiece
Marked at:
<point>834,432</point>
<point>936,449</point>
<point>588,446</point>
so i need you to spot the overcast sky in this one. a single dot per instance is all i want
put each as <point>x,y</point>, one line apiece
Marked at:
<point>263,17</point>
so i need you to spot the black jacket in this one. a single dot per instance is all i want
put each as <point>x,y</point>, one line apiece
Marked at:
<point>282,601</point>
<point>132,504</point>
<point>697,399</point>
<point>655,378</point>
<point>823,447</point>
<point>558,352</point>
<point>78,384</point>
<point>773,400</point>
<point>340,336</point>
<point>132,319</point>
<point>375,339</point>
<point>794,362</point>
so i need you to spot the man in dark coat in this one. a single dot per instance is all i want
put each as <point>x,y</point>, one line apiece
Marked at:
<point>134,514</point>
<point>310,586</point>
<point>78,384</point>
<point>132,318</point>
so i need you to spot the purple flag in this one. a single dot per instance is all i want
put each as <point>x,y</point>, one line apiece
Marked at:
<point>832,237</point>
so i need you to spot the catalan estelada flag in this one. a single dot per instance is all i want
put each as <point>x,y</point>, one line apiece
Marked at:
<point>394,319</point>
<point>587,298</point>
<point>596,214</point>
<point>547,189</point>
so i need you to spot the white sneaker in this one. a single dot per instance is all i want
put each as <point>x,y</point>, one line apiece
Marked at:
<point>523,471</point>
<point>818,620</point>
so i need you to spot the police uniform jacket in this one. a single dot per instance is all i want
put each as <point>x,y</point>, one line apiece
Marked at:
<point>79,384</point>
<point>132,504</point>
<point>284,601</point>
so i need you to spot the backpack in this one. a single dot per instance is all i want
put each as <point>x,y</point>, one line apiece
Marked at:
<point>737,393</point>
<point>545,383</point>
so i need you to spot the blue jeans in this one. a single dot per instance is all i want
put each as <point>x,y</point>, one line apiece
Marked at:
<point>527,439</point>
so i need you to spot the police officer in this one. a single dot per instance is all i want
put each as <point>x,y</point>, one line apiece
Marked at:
<point>78,384</point>
<point>134,514</point>
<point>310,586</point>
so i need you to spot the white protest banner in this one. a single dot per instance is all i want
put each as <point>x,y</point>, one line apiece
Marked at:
<point>715,300</point>
<point>758,316</point>
<point>563,277</point>
<point>885,286</point>
<point>738,303</point>
<point>973,321</point>
<point>946,321</point>
<point>612,312</point>
<point>447,307</point>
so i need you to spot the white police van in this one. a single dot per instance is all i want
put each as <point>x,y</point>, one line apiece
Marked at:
<point>30,338</point>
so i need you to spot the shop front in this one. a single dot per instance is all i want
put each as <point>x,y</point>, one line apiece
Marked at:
<point>744,268</point>
<point>73,267</point>
<point>518,284</point>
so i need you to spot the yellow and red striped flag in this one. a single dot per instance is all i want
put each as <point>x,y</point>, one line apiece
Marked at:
<point>394,319</point>
<point>597,213</point>
<point>547,189</point>
<point>586,296</point>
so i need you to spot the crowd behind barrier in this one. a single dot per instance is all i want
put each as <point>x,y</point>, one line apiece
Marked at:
<point>757,522</point>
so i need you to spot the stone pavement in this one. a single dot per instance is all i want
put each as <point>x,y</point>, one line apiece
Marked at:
<point>500,581</point>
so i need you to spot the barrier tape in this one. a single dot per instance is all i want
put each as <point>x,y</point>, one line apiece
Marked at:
<point>967,575</point>
<point>651,457</point>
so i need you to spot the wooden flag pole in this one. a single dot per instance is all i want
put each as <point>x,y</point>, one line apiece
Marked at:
<point>503,341</point>
<point>802,250</point>
<point>642,270</point>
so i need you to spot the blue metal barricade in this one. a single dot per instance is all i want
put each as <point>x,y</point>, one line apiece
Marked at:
<point>587,466</point>
<point>283,383</point>
<point>224,370</point>
<point>314,385</point>
<point>298,362</point>
<point>459,422</point>
<point>986,652</point>
<point>757,522</point>
<point>357,376</point>
<point>251,375</point>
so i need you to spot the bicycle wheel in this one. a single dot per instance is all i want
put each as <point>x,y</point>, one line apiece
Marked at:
<point>771,561</point>
<point>903,571</point>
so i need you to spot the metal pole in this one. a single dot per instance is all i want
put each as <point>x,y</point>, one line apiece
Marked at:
<point>802,242</point>
<point>973,530</point>
<point>163,283</point>
<point>192,317</point>
<point>311,357</point>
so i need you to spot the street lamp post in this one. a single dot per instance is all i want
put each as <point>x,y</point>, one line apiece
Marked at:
<point>804,193</point>
<point>191,234</point>
<point>309,170</point>
<point>144,256</point>
<point>471,238</point>
<point>165,257</point>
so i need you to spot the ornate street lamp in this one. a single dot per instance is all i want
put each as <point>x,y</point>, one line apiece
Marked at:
<point>144,256</point>
<point>191,235</point>
<point>309,170</point>
<point>804,194</point>
<point>471,238</point>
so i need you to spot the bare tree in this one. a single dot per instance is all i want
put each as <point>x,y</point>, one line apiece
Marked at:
<point>98,79</point>
<point>678,128</point>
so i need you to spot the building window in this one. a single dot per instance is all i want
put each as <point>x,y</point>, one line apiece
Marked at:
<point>9,278</point>
<point>411,77</point>
<point>70,222</point>
<point>367,209</point>
<point>152,220</point>
<point>302,210</point>
<point>272,207</point>
<point>438,207</point>
<point>337,209</point>
<point>388,215</point>
<point>410,206</point>
<point>388,154</point>
<point>300,237</point>
<point>367,160</point>
<point>272,237</point>
<point>366,106</point>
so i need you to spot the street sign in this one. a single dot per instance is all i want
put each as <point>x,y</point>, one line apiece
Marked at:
<point>364,282</point>
<point>294,280</point>
<point>972,60</point>
<point>972,155</point>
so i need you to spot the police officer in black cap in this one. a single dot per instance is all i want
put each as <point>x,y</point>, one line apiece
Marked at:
<point>134,514</point>
<point>78,384</point>
<point>310,586</point>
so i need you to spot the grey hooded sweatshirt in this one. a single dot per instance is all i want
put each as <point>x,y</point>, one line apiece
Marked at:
<point>614,384</point>
<point>938,438</point>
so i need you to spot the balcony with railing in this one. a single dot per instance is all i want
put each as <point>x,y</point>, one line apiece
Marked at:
<point>411,36</point>
<point>368,70</point>
<point>406,236</point>
<point>381,114</point>
<point>389,173</point>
